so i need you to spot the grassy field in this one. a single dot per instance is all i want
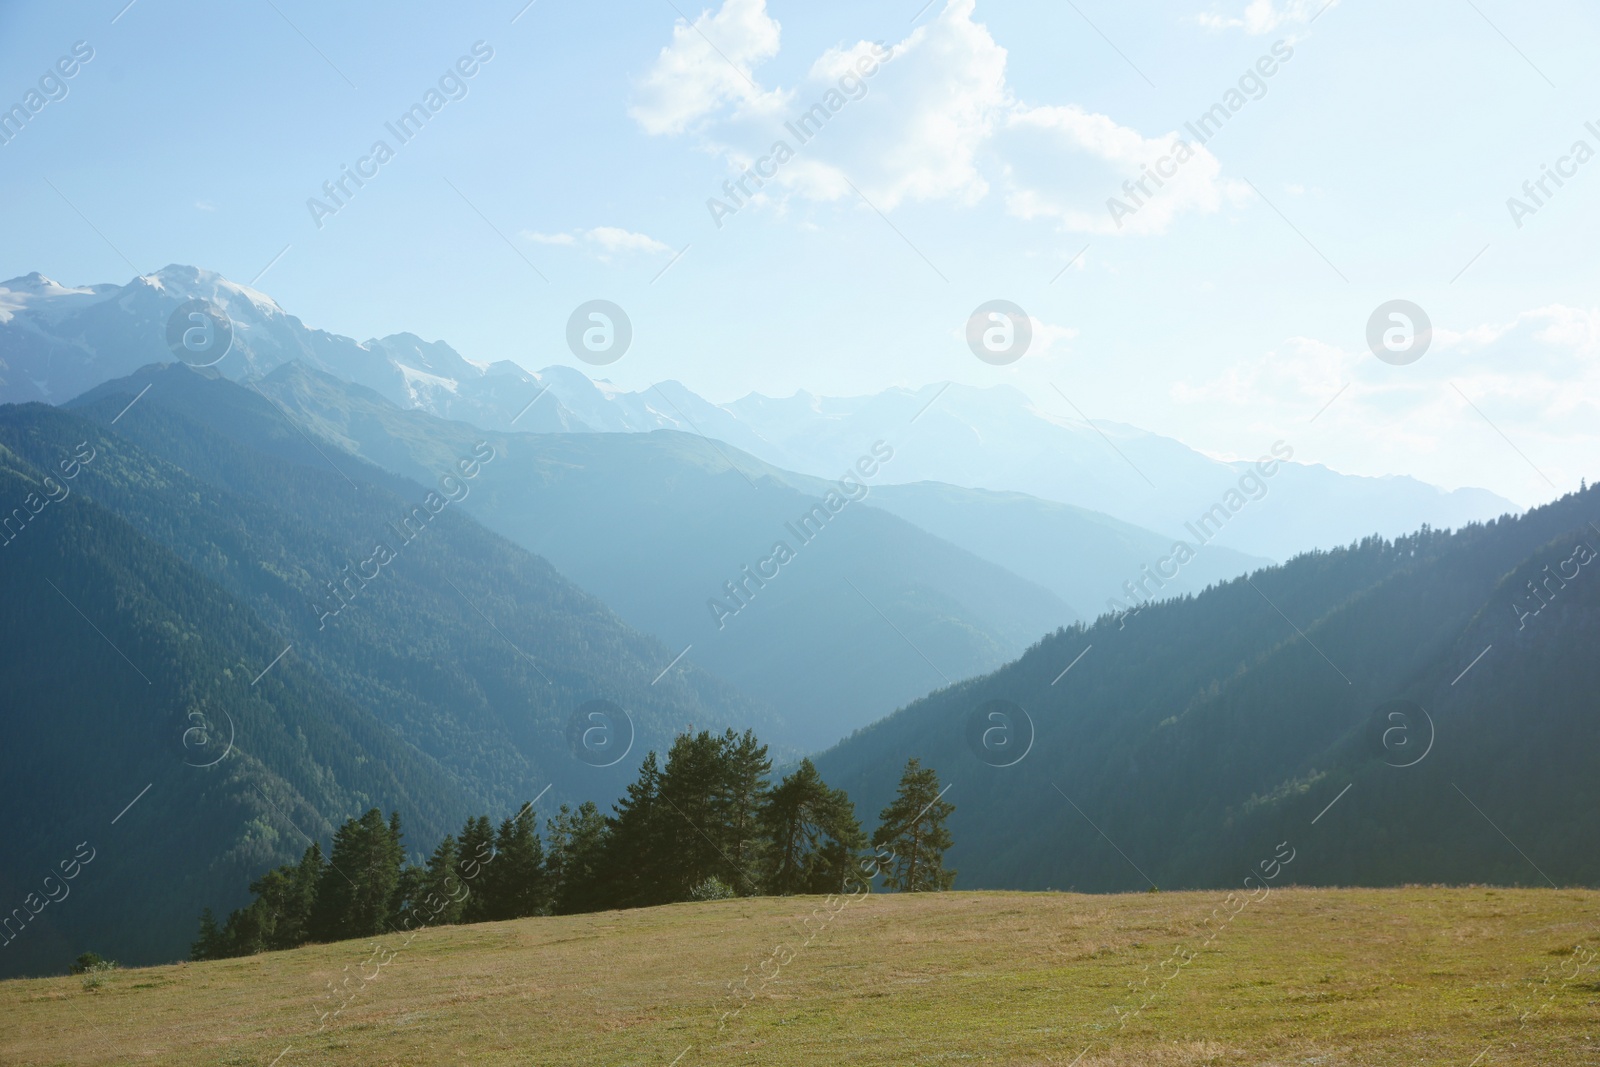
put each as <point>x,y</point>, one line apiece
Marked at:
<point>1326,977</point>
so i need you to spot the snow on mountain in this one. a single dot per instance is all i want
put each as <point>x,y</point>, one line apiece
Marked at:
<point>58,341</point>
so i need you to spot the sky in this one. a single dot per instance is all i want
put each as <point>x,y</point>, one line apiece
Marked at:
<point>970,152</point>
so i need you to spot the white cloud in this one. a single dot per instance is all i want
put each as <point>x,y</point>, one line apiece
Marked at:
<point>615,239</point>
<point>1046,337</point>
<point>1535,379</point>
<point>1265,16</point>
<point>609,240</point>
<point>937,120</point>
<point>1068,158</point>
<point>710,63</point>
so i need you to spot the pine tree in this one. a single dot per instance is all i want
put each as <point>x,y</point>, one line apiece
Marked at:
<point>440,893</point>
<point>812,835</point>
<point>571,860</point>
<point>628,873</point>
<point>515,885</point>
<point>694,813</point>
<point>745,770</point>
<point>293,926</point>
<point>913,828</point>
<point>473,860</point>
<point>356,892</point>
<point>211,944</point>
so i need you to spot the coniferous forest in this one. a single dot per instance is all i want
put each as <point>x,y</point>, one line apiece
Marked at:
<point>707,825</point>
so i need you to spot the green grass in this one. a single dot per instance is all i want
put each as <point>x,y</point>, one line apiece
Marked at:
<point>1326,977</point>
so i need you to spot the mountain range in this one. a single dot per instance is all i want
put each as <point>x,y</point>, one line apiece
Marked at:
<point>57,341</point>
<point>320,576</point>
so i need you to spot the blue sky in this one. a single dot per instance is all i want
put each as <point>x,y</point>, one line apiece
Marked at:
<point>1374,164</point>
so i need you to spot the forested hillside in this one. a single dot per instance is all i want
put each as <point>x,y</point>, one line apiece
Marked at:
<point>210,590</point>
<point>1188,739</point>
<point>658,525</point>
<point>129,671</point>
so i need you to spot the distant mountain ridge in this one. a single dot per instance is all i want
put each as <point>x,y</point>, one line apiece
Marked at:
<point>57,341</point>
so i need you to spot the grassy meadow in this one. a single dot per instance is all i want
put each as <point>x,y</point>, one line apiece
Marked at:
<point>1472,976</point>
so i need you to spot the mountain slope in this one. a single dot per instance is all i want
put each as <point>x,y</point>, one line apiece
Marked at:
<point>143,727</point>
<point>659,524</point>
<point>1082,556</point>
<point>187,570</point>
<point>474,649</point>
<point>1198,734</point>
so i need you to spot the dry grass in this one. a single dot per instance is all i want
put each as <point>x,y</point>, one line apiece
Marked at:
<point>1326,977</point>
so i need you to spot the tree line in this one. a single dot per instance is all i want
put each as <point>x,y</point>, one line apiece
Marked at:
<point>706,825</point>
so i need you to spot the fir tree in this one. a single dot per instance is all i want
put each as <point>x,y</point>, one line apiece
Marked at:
<point>627,874</point>
<point>812,835</point>
<point>745,770</point>
<point>441,895</point>
<point>913,828</point>
<point>210,945</point>
<point>515,884</point>
<point>472,863</point>
<point>356,892</point>
<point>572,857</point>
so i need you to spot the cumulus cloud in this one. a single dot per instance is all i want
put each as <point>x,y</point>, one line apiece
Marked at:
<point>937,121</point>
<point>1265,16</point>
<point>709,64</point>
<point>1050,142</point>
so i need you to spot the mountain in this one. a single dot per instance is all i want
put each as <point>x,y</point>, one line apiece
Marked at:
<point>131,673</point>
<point>1085,557</point>
<point>1391,712</point>
<point>862,611</point>
<point>57,341</point>
<point>184,585</point>
<point>999,439</point>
